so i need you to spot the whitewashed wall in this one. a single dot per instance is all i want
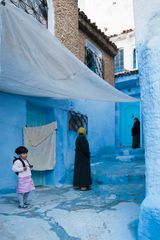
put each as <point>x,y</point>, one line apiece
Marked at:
<point>127,42</point>
<point>147,22</point>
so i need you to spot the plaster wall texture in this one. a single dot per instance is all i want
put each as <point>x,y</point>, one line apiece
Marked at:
<point>13,119</point>
<point>101,128</point>
<point>147,40</point>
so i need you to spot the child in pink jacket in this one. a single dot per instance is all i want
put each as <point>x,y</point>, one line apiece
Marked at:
<point>22,168</point>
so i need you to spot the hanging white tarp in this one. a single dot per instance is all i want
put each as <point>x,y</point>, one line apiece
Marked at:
<point>34,63</point>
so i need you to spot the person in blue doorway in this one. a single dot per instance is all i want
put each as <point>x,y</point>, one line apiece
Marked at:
<point>25,184</point>
<point>136,134</point>
<point>82,170</point>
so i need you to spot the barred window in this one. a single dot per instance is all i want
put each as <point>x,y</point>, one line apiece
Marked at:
<point>77,120</point>
<point>93,59</point>
<point>36,8</point>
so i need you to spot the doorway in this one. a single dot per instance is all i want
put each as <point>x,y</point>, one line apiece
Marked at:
<point>36,116</point>
<point>127,112</point>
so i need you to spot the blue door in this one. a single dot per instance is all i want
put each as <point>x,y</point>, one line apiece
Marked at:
<point>128,111</point>
<point>36,116</point>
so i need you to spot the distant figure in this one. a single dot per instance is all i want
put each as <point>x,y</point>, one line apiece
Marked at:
<point>25,184</point>
<point>82,170</point>
<point>136,134</point>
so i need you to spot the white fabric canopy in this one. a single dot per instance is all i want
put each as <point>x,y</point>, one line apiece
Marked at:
<point>35,63</point>
<point>41,143</point>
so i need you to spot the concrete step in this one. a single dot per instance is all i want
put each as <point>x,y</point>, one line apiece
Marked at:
<point>130,151</point>
<point>117,180</point>
<point>124,181</point>
<point>118,172</point>
<point>130,154</point>
<point>120,176</point>
<point>125,158</point>
<point>129,192</point>
<point>120,155</point>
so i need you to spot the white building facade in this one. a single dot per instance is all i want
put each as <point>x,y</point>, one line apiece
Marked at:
<point>126,80</point>
<point>126,59</point>
<point>147,21</point>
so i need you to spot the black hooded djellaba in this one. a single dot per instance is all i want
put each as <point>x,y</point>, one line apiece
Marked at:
<point>136,134</point>
<point>82,170</point>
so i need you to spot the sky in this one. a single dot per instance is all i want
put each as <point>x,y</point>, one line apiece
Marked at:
<point>112,16</point>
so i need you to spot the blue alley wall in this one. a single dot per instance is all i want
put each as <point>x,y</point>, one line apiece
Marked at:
<point>12,120</point>
<point>101,126</point>
<point>101,131</point>
<point>127,82</point>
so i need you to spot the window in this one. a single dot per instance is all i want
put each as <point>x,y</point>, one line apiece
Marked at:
<point>134,58</point>
<point>119,61</point>
<point>77,120</point>
<point>36,8</point>
<point>93,59</point>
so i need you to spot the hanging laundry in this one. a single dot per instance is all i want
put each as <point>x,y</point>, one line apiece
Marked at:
<point>41,143</point>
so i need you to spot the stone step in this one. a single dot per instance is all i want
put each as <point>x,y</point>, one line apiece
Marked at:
<point>117,180</point>
<point>137,158</point>
<point>120,155</point>
<point>129,192</point>
<point>119,158</point>
<point>117,172</point>
<point>130,151</point>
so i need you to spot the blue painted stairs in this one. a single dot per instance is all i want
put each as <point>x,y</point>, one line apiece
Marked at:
<point>121,174</point>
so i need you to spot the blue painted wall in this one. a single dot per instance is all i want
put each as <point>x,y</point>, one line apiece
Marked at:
<point>12,120</point>
<point>101,133</point>
<point>101,124</point>
<point>128,111</point>
<point>129,84</point>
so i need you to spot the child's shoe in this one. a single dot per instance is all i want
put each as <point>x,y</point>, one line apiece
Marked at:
<point>23,207</point>
<point>27,204</point>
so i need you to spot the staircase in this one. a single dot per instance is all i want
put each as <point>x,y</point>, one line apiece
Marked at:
<point>121,174</point>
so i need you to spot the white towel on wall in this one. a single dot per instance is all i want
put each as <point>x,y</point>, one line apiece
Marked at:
<point>41,143</point>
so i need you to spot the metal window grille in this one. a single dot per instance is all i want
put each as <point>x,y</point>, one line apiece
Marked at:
<point>77,120</point>
<point>94,62</point>
<point>36,8</point>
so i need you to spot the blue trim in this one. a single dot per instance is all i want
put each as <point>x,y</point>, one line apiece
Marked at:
<point>128,84</point>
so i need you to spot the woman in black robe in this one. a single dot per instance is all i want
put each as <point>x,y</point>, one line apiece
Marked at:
<point>82,170</point>
<point>136,134</point>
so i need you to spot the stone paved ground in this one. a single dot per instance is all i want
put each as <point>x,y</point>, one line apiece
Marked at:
<point>67,214</point>
<point>107,212</point>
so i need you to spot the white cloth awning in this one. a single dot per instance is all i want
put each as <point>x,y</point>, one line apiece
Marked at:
<point>34,63</point>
